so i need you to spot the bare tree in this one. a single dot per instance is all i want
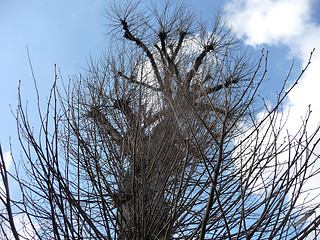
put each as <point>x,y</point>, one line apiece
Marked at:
<point>158,140</point>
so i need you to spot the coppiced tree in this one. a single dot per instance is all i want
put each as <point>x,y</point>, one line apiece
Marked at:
<point>158,139</point>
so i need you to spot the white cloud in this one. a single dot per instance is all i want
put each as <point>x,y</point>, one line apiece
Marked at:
<point>269,21</point>
<point>7,160</point>
<point>288,23</point>
<point>22,223</point>
<point>23,228</point>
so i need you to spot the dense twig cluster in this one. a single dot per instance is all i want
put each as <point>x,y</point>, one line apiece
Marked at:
<point>159,141</point>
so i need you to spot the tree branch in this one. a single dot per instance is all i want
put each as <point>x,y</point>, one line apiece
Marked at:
<point>96,115</point>
<point>197,64</point>
<point>221,86</point>
<point>128,35</point>
<point>131,79</point>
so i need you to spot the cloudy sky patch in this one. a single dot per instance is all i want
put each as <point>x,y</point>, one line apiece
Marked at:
<point>288,23</point>
<point>269,21</point>
<point>66,32</point>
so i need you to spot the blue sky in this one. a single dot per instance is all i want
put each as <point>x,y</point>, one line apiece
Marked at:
<point>65,33</point>
<point>289,29</point>
<point>56,32</point>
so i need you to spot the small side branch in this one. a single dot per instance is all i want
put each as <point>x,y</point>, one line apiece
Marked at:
<point>132,80</point>
<point>7,200</point>
<point>221,86</point>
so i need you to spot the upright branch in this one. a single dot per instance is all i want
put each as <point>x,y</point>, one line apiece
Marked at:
<point>6,201</point>
<point>159,139</point>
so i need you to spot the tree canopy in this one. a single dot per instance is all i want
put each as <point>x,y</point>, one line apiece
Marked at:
<point>158,139</point>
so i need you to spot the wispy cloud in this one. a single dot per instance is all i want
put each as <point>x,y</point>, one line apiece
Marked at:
<point>289,23</point>
<point>286,23</point>
<point>269,21</point>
